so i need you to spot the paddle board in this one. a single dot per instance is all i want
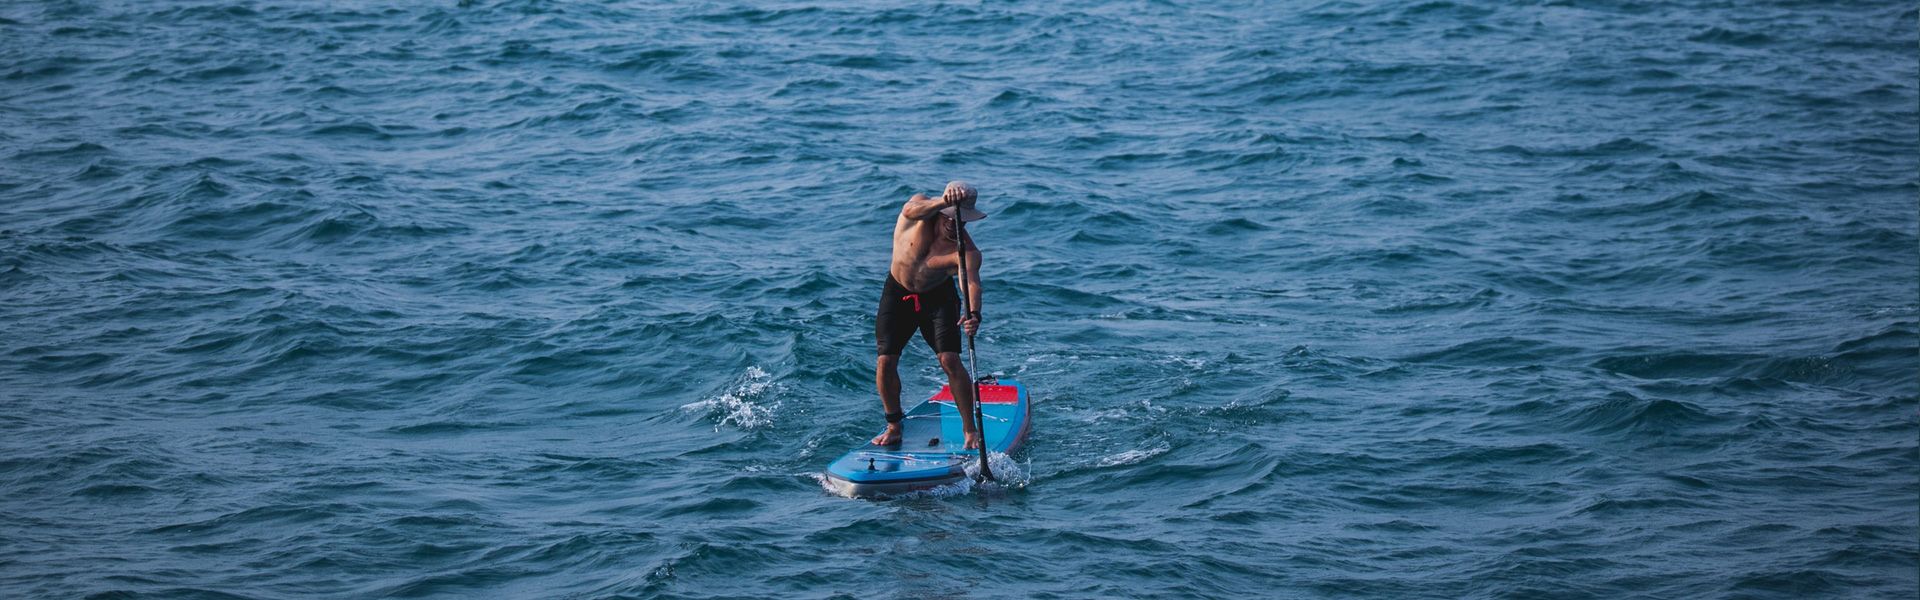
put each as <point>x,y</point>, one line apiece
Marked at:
<point>929,453</point>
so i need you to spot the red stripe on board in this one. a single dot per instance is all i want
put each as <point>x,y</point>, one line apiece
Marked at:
<point>989,394</point>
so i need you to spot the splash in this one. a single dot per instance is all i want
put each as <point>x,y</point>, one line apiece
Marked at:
<point>744,405</point>
<point>1008,475</point>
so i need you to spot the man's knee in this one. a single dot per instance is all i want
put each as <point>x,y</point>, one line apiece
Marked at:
<point>887,362</point>
<point>950,361</point>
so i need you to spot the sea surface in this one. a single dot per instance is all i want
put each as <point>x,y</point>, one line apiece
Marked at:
<point>528,299</point>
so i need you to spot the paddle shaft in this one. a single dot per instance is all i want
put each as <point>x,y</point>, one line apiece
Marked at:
<point>979,413</point>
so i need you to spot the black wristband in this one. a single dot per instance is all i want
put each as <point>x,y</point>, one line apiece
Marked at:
<point>973,314</point>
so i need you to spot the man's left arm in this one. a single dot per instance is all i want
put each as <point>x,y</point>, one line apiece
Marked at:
<point>971,321</point>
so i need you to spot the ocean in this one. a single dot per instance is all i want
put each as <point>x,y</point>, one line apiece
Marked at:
<point>1342,299</point>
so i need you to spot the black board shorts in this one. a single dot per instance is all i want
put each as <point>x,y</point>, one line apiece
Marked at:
<point>935,313</point>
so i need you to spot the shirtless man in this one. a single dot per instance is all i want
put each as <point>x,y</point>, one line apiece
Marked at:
<point>920,294</point>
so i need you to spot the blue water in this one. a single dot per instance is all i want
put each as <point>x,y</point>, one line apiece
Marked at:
<point>526,299</point>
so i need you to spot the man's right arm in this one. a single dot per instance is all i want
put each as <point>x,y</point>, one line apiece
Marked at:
<point>921,208</point>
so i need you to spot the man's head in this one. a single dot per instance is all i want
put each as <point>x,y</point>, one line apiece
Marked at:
<point>963,197</point>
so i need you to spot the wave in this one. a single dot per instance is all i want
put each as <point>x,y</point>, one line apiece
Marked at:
<point>1496,352</point>
<point>1622,412</point>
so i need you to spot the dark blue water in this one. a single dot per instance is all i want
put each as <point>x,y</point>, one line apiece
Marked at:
<point>1568,299</point>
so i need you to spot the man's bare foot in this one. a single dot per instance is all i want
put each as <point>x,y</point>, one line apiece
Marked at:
<point>890,437</point>
<point>973,441</point>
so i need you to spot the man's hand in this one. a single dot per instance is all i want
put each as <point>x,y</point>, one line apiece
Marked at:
<point>951,197</point>
<point>970,323</point>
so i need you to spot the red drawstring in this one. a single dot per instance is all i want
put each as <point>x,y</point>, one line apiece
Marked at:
<point>916,301</point>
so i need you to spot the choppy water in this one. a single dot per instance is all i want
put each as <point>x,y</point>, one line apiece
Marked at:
<point>1587,298</point>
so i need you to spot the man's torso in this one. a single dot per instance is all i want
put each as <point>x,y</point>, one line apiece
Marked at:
<point>921,255</point>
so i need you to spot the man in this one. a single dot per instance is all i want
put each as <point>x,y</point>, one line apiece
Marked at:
<point>920,295</point>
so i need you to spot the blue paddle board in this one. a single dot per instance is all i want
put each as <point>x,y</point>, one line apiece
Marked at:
<point>929,453</point>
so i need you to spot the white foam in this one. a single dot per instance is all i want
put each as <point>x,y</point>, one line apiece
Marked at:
<point>1130,457</point>
<point>744,405</point>
<point>825,483</point>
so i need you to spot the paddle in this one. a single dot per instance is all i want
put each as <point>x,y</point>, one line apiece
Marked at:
<point>979,414</point>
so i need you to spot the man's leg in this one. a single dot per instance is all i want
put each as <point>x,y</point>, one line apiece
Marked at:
<point>886,378</point>
<point>961,383</point>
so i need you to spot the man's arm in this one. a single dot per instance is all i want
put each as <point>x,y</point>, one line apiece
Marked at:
<point>968,321</point>
<point>921,208</point>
